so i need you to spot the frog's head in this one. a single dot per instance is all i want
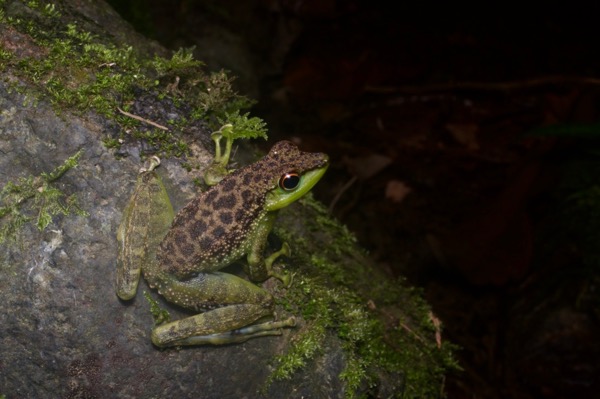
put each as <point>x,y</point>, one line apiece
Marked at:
<point>292,173</point>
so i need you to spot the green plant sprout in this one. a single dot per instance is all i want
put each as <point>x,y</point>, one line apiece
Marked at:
<point>234,126</point>
<point>36,198</point>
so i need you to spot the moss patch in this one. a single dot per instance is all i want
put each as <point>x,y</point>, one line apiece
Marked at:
<point>162,101</point>
<point>387,330</point>
<point>36,198</point>
<point>165,103</point>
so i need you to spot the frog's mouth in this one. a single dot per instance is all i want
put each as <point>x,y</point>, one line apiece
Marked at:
<point>278,198</point>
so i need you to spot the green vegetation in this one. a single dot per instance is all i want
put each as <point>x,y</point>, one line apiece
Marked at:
<point>233,126</point>
<point>36,198</point>
<point>376,338</point>
<point>159,314</point>
<point>157,100</point>
<point>160,101</point>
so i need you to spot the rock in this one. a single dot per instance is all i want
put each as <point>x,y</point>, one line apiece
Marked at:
<point>64,331</point>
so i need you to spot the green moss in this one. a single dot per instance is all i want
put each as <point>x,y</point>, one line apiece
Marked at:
<point>159,314</point>
<point>35,198</point>
<point>306,344</point>
<point>78,71</point>
<point>360,307</point>
<point>80,75</point>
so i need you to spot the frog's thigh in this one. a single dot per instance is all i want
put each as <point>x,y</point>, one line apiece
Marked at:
<point>215,289</point>
<point>240,303</point>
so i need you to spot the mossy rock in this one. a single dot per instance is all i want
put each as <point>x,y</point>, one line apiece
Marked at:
<point>66,334</point>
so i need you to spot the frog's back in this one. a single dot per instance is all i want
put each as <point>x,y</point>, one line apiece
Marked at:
<point>213,229</point>
<point>210,231</point>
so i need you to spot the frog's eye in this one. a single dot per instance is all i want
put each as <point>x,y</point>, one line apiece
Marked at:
<point>289,181</point>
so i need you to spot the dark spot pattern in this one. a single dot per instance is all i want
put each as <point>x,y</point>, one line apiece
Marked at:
<point>240,213</point>
<point>228,185</point>
<point>205,242</point>
<point>180,236</point>
<point>246,196</point>
<point>170,247</point>
<point>211,229</point>
<point>218,232</point>
<point>210,196</point>
<point>225,202</point>
<point>187,249</point>
<point>172,263</point>
<point>257,178</point>
<point>198,228</point>
<point>226,218</point>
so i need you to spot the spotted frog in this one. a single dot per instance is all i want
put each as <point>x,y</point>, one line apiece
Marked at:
<point>181,255</point>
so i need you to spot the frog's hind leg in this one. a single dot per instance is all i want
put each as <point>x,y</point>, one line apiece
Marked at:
<point>241,334</point>
<point>145,222</point>
<point>240,304</point>
<point>201,329</point>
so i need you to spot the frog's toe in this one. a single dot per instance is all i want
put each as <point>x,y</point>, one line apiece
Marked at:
<point>290,322</point>
<point>152,164</point>
<point>285,278</point>
<point>286,250</point>
<point>288,279</point>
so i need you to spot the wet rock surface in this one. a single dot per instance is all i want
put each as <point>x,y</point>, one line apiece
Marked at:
<point>65,333</point>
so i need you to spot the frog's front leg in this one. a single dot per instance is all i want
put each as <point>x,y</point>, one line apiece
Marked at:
<point>240,302</point>
<point>257,267</point>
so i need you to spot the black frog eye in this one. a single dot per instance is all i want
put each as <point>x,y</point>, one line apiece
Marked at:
<point>289,181</point>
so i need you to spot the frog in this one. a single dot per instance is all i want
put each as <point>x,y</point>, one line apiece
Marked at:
<point>182,255</point>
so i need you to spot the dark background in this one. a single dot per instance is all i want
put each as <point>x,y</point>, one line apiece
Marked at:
<point>465,156</point>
